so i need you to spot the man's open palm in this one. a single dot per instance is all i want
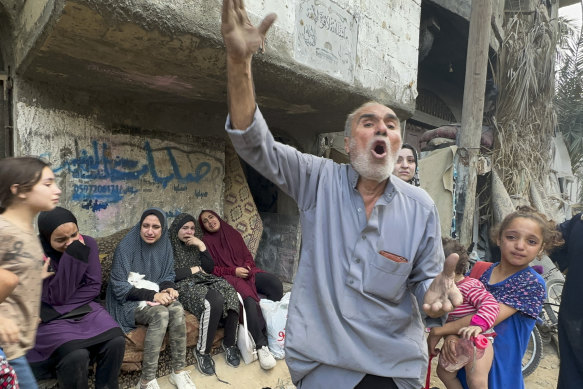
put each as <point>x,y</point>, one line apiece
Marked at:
<point>242,39</point>
<point>443,295</point>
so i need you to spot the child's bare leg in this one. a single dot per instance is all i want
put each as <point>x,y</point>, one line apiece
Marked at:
<point>449,379</point>
<point>477,378</point>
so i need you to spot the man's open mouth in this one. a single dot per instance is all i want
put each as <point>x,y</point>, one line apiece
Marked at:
<point>379,149</point>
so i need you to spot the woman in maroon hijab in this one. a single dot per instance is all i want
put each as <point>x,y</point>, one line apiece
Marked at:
<point>234,262</point>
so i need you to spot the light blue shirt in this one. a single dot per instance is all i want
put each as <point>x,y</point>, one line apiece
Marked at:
<point>354,307</point>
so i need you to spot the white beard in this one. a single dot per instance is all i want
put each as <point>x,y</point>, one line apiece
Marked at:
<point>367,167</point>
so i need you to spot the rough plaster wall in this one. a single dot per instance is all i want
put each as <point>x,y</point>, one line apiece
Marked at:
<point>385,32</point>
<point>12,8</point>
<point>108,177</point>
<point>388,48</point>
<point>367,46</point>
<point>32,19</point>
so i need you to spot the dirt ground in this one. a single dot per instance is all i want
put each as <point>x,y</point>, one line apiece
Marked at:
<point>544,377</point>
<point>253,377</point>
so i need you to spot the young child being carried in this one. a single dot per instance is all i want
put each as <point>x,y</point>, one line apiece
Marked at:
<point>477,301</point>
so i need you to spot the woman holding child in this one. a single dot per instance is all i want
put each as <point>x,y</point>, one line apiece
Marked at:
<point>75,330</point>
<point>146,250</point>
<point>208,297</point>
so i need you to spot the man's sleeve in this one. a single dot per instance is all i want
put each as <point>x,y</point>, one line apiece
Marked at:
<point>427,265</point>
<point>293,172</point>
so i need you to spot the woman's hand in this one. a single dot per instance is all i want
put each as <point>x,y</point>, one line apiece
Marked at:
<point>196,269</point>
<point>172,292</point>
<point>45,273</point>
<point>194,241</point>
<point>163,298</point>
<point>470,332</point>
<point>242,272</point>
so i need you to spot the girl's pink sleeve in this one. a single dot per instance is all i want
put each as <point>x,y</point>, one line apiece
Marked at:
<point>486,305</point>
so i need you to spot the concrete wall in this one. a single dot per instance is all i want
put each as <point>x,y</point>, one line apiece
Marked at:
<point>126,98</point>
<point>110,173</point>
<point>365,49</point>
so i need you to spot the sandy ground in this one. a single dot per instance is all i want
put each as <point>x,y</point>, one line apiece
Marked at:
<point>253,377</point>
<point>244,377</point>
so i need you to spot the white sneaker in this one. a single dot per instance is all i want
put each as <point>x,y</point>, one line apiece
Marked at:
<point>266,360</point>
<point>150,385</point>
<point>182,380</point>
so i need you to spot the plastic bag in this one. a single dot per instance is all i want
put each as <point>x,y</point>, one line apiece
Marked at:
<point>275,315</point>
<point>245,341</point>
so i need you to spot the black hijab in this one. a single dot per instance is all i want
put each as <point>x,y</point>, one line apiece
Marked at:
<point>49,221</point>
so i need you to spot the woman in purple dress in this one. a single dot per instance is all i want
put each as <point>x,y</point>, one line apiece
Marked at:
<point>75,331</point>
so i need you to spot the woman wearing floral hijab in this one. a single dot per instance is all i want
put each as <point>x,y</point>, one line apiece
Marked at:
<point>208,297</point>
<point>146,250</point>
<point>234,262</point>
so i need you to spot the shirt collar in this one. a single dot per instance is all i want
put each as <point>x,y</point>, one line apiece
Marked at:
<point>389,190</point>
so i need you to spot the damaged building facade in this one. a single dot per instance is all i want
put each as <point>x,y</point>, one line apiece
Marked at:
<point>127,98</point>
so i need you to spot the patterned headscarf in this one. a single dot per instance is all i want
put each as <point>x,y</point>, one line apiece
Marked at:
<point>184,255</point>
<point>154,260</point>
<point>415,179</point>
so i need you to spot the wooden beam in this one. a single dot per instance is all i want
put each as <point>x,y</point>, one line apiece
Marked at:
<point>472,114</point>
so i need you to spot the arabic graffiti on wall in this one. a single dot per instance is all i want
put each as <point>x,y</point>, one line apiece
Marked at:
<point>326,38</point>
<point>103,175</point>
<point>110,175</point>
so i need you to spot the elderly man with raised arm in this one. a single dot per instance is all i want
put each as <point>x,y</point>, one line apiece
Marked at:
<point>371,253</point>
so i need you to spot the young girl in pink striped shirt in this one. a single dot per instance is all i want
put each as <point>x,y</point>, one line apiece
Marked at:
<point>479,302</point>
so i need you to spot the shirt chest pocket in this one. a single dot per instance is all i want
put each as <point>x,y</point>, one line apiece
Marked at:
<point>385,276</point>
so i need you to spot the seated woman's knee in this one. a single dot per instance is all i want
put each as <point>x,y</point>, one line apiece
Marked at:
<point>215,299</point>
<point>176,311</point>
<point>75,359</point>
<point>159,315</point>
<point>116,345</point>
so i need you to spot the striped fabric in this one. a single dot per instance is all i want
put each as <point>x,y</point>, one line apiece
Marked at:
<point>477,300</point>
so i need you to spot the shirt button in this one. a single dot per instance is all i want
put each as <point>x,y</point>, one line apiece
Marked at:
<point>359,210</point>
<point>351,282</point>
<point>357,260</point>
<point>363,237</point>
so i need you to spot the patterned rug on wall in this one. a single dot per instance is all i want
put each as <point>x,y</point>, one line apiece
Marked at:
<point>238,207</point>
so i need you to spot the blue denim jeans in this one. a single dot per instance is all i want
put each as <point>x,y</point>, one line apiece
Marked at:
<point>25,377</point>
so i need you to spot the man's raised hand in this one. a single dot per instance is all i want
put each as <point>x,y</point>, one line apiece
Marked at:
<point>443,295</point>
<point>242,39</point>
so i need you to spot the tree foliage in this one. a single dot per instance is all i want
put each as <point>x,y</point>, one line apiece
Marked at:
<point>569,91</point>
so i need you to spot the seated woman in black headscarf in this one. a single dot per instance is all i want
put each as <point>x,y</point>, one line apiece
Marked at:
<point>75,330</point>
<point>146,250</point>
<point>208,297</point>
